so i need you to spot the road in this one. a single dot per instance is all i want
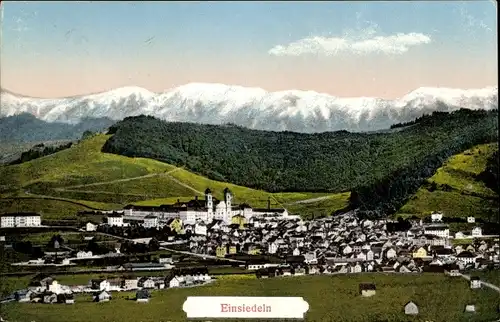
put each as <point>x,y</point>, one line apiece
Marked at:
<point>493,287</point>
<point>310,200</point>
<point>121,180</point>
<point>184,185</point>
<point>203,255</point>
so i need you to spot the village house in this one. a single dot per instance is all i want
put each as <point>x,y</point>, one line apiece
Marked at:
<point>142,296</point>
<point>437,217</point>
<point>146,282</point>
<point>466,257</point>
<point>100,284</point>
<point>101,296</point>
<point>367,289</point>
<point>174,282</point>
<point>421,252</point>
<point>475,282</point>
<point>477,232</point>
<point>90,226</point>
<point>66,298</point>
<point>84,254</point>
<point>411,308</point>
<point>130,284</point>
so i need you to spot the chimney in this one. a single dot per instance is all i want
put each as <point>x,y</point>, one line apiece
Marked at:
<point>178,201</point>
<point>195,197</point>
<point>268,203</point>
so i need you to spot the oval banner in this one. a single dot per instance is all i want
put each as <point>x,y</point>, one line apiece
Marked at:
<point>247,307</point>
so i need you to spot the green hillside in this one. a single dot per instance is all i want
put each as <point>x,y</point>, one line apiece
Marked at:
<point>288,161</point>
<point>84,178</point>
<point>455,189</point>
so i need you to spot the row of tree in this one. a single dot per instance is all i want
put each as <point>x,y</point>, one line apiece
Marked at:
<point>40,150</point>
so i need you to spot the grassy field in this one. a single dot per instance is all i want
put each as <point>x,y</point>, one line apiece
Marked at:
<point>467,196</point>
<point>82,178</point>
<point>331,298</point>
<point>69,237</point>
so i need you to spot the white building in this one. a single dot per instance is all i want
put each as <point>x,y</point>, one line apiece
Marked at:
<point>84,254</point>
<point>27,219</point>
<point>175,282</point>
<point>115,219</point>
<point>205,210</point>
<point>471,220</point>
<point>55,287</point>
<point>101,285</point>
<point>475,282</point>
<point>477,232</point>
<point>466,257</point>
<point>200,229</point>
<point>90,227</point>
<point>272,248</point>
<point>437,217</point>
<point>150,221</point>
<point>442,231</point>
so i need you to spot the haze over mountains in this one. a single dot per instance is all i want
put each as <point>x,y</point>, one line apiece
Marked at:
<point>26,128</point>
<point>255,108</point>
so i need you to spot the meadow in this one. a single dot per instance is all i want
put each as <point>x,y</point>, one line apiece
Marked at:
<point>464,195</point>
<point>331,298</point>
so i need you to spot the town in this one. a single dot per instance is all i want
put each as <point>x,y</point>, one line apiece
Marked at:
<point>265,242</point>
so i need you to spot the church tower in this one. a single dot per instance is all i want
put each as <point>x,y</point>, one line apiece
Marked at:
<point>209,204</point>
<point>228,198</point>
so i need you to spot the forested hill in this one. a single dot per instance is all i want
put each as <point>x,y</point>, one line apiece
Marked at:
<point>287,161</point>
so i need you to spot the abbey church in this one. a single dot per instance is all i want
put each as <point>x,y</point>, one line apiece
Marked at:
<point>205,210</point>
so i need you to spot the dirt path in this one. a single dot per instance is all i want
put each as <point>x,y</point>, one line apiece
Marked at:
<point>99,192</point>
<point>309,200</point>
<point>183,184</point>
<point>493,287</point>
<point>120,180</point>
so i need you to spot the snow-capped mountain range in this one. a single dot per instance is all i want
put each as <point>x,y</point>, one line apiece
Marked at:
<point>293,110</point>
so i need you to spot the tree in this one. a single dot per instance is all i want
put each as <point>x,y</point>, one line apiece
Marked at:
<point>153,245</point>
<point>87,134</point>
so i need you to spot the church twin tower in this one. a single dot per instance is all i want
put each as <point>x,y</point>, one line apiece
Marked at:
<point>223,210</point>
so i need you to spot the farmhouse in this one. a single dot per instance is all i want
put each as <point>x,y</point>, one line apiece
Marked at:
<point>20,219</point>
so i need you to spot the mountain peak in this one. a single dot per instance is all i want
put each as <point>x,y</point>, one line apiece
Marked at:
<point>253,107</point>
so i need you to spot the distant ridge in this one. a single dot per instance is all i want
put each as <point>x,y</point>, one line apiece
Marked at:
<point>251,107</point>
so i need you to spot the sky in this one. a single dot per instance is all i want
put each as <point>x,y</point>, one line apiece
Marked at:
<point>346,49</point>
